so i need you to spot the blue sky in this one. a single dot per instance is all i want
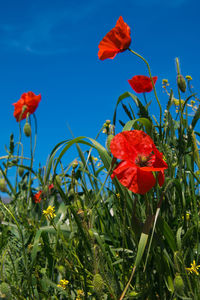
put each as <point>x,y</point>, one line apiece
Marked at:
<point>50,47</point>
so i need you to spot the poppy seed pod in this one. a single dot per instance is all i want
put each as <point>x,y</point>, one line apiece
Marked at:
<point>181,83</point>
<point>27,129</point>
<point>3,187</point>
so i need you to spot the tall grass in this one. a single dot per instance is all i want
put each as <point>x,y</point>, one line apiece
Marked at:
<point>104,240</point>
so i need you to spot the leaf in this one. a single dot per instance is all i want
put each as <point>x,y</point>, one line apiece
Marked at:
<point>141,248</point>
<point>123,96</point>
<point>165,230</point>
<point>127,111</point>
<point>35,248</point>
<point>196,117</point>
<point>121,123</point>
<point>146,122</point>
<point>178,237</point>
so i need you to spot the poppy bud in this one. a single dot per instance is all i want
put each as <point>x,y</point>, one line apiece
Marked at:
<point>15,160</point>
<point>178,284</point>
<point>1,217</point>
<point>75,164</point>
<point>108,141</point>
<point>98,283</point>
<point>181,83</point>
<point>91,233</point>
<point>61,269</point>
<point>27,129</point>
<point>58,180</point>
<point>5,291</point>
<point>45,189</point>
<point>21,171</point>
<point>3,187</point>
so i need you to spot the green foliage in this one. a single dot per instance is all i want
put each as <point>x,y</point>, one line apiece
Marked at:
<point>104,241</point>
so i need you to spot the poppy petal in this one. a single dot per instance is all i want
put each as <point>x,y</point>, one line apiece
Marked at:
<point>136,180</point>
<point>116,40</point>
<point>37,197</point>
<point>30,100</point>
<point>142,84</point>
<point>127,144</point>
<point>140,158</point>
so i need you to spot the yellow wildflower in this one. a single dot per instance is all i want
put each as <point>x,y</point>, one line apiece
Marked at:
<point>164,81</point>
<point>94,158</point>
<point>194,268</point>
<point>187,217</point>
<point>118,195</point>
<point>176,102</point>
<point>80,293</point>
<point>49,212</point>
<point>188,77</point>
<point>63,283</point>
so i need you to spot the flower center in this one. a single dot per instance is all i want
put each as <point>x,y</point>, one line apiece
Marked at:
<point>143,161</point>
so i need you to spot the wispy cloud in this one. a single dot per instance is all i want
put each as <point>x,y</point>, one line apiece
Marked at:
<point>169,3</point>
<point>47,31</point>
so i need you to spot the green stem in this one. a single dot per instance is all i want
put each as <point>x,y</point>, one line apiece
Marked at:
<point>19,143</point>
<point>127,286</point>
<point>145,99</point>
<point>32,150</point>
<point>149,70</point>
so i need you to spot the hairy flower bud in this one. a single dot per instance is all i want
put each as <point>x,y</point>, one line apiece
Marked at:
<point>27,129</point>
<point>178,284</point>
<point>98,283</point>
<point>5,291</point>
<point>3,187</point>
<point>75,164</point>
<point>181,83</point>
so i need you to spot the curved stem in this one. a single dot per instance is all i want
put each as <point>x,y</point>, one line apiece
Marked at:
<point>149,70</point>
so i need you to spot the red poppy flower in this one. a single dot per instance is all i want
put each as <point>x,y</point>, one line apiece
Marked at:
<point>116,40</point>
<point>37,197</point>
<point>51,186</point>
<point>142,84</point>
<point>27,103</point>
<point>140,158</point>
